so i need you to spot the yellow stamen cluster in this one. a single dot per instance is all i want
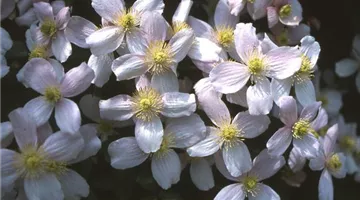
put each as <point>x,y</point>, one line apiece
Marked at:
<point>159,57</point>
<point>32,160</point>
<point>250,184</point>
<point>147,104</point>
<point>229,134</point>
<point>225,36</point>
<point>165,146</point>
<point>52,94</point>
<point>178,26</point>
<point>38,52</point>
<point>301,128</point>
<point>48,27</point>
<point>334,163</point>
<point>128,20</point>
<point>306,71</point>
<point>55,167</point>
<point>285,11</point>
<point>347,143</point>
<point>256,65</point>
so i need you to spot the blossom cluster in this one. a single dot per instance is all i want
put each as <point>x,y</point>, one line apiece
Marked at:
<point>255,71</point>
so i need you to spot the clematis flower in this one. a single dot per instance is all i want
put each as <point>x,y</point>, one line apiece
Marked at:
<point>51,30</point>
<point>37,164</point>
<point>122,24</point>
<point>330,162</point>
<point>89,105</point>
<point>280,63</point>
<point>248,185</point>
<point>255,8</point>
<point>349,66</point>
<point>331,100</point>
<point>288,12</point>
<point>27,15</point>
<point>293,174</point>
<point>6,44</point>
<point>347,142</point>
<point>145,107</point>
<point>200,171</point>
<point>42,78</point>
<point>155,56</point>
<point>299,129</point>
<point>227,137</point>
<point>165,163</point>
<point>304,88</point>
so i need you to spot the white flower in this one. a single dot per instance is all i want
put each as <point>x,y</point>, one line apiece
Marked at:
<point>288,12</point>
<point>6,44</point>
<point>255,8</point>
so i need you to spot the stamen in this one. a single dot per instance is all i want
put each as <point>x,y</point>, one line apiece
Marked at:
<point>48,27</point>
<point>38,52</point>
<point>301,128</point>
<point>159,57</point>
<point>52,94</point>
<point>166,143</point>
<point>178,26</point>
<point>305,72</point>
<point>128,20</point>
<point>55,167</point>
<point>225,36</point>
<point>285,11</point>
<point>347,143</point>
<point>30,163</point>
<point>334,163</point>
<point>229,135</point>
<point>147,104</point>
<point>250,184</point>
<point>256,66</point>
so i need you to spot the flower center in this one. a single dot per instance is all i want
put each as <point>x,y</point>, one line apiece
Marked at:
<point>178,26</point>
<point>52,94</point>
<point>104,127</point>
<point>165,146</point>
<point>48,27</point>
<point>250,183</point>
<point>225,36</point>
<point>334,163</point>
<point>256,66</point>
<point>55,167</point>
<point>127,21</point>
<point>159,58</point>
<point>147,104</point>
<point>347,143</point>
<point>229,134</point>
<point>38,52</point>
<point>301,128</point>
<point>32,160</point>
<point>305,72</point>
<point>285,11</point>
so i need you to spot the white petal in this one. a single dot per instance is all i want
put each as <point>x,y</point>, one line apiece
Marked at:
<point>176,104</point>
<point>89,105</point>
<point>125,153</point>
<point>305,92</point>
<point>330,138</point>
<point>105,40</point>
<point>24,128</point>
<point>186,131</point>
<point>296,161</point>
<point>73,185</point>
<point>259,97</point>
<point>204,50</point>
<point>229,77</point>
<point>279,142</point>
<point>142,81</point>
<point>264,193</point>
<point>283,62</point>
<point>149,135</point>
<point>44,187</point>
<point>350,164</point>
<point>128,66</point>
<point>78,29</point>
<point>149,5</point>
<point>288,110</point>
<point>223,17</point>
<point>272,16</point>
<point>295,16</point>
<point>118,108</point>
<point>101,65</point>
<point>108,9</point>
<point>62,146</point>
<point>181,43</point>
<point>201,28</point>
<point>257,9</point>
<point>251,125</point>
<point>6,42</point>
<point>335,102</point>
<point>166,169</point>
<point>44,132</point>
<point>246,40</point>
<point>165,82</point>
<point>136,42</point>
<point>6,134</point>
<point>201,174</point>
<point>310,111</point>
<point>317,163</point>
<point>61,47</point>
<point>182,11</point>
<point>310,48</point>
<point>58,68</point>
<point>67,115</point>
<point>236,6</point>
<point>208,146</point>
<point>39,109</point>
<point>77,80</point>
<point>231,192</point>
<point>321,120</point>
<point>238,97</point>
<point>265,165</point>
<point>43,11</point>
<point>237,158</point>
<point>154,25</point>
<point>309,146</point>
<point>326,188</point>
<point>346,67</point>
<point>9,174</point>
<point>280,88</point>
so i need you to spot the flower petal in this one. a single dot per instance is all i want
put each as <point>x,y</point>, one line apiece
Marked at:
<point>165,82</point>
<point>257,9</point>
<point>182,11</point>
<point>251,125</point>
<point>305,92</point>
<point>265,165</point>
<point>62,18</point>
<point>317,163</point>
<point>246,40</point>
<point>181,43</point>
<point>108,9</point>
<point>201,28</point>
<point>43,11</point>
<point>272,16</point>
<point>136,41</point>
<point>207,146</point>
<point>166,169</point>
<point>264,193</point>
<point>128,66</point>
<point>238,97</point>
<point>89,105</point>
<point>61,47</point>
<point>229,77</point>
<point>341,173</point>
<point>310,111</point>
<point>154,25</point>
<point>223,17</point>
<point>105,40</point>
<point>309,146</point>
<point>201,174</point>
<point>296,161</point>
<point>149,5</point>
<point>295,16</point>
<point>237,158</point>
<point>62,146</point>
<point>73,185</point>
<point>39,109</point>
<point>149,135</point>
<point>283,62</point>
<point>236,6</point>
<point>231,192</point>
<point>320,121</point>
<point>259,97</point>
<point>310,48</point>
<point>330,138</point>
<point>125,153</point>
<point>67,115</point>
<point>118,108</point>
<point>101,65</point>
<point>280,88</point>
<point>326,188</point>
<point>204,50</point>
<point>78,29</point>
<point>186,136</point>
<point>9,173</point>
<point>279,142</point>
<point>177,104</point>
<point>6,134</point>
<point>288,110</point>
<point>45,187</point>
<point>77,80</point>
<point>346,67</point>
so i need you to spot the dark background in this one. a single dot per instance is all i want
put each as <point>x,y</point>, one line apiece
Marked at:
<point>339,23</point>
